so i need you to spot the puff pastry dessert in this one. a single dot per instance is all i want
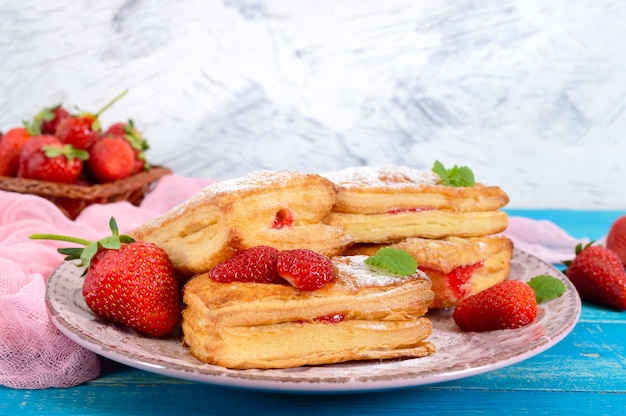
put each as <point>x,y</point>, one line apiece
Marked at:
<point>363,314</point>
<point>383,204</point>
<point>280,209</point>
<point>458,267</point>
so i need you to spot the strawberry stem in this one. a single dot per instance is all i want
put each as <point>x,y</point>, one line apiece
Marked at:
<point>110,103</point>
<point>113,242</point>
<point>56,237</point>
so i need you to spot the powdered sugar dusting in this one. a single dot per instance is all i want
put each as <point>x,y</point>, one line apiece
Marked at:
<point>252,181</point>
<point>382,177</point>
<point>356,273</point>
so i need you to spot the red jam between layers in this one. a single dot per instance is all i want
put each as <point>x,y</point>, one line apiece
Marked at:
<point>403,210</point>
<point>331,319</point>
<point>458,277</point>
<point>283,218</point>
<point>328,319</point>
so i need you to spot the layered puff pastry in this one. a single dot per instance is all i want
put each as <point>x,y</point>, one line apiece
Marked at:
<point>384,204</point>
<point>280,209</point>
<point>364,314</point>
<point>458,267</point>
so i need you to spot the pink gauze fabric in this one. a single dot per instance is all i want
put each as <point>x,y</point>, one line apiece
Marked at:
<point>34,354</point>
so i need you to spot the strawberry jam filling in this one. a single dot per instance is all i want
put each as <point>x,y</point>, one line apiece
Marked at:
<point>328,319</point>
<point>331,319</point>
<point>283,218</point>
<point>458,277</point>
<point>405,210</point>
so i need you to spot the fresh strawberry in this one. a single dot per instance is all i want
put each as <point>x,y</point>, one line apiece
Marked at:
<point>49,118</point>
<point>305,269</point>
<point>11,146</point>
<point>128,282</point>
<point>82,130</point>
<point>256,264</point>
<point>45,158</point>
<point>506,305</point>
<point>616,239</point>
<point>115,130</point>
<point>139,144</point>
<point>598,275</point>
<point>110,159</point>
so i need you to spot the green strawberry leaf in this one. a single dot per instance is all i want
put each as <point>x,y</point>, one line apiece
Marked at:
<point>113,226</point>
<point>456,176</point>
<point>87,254</point>
<point>71,253</point>
<point>69,151</point>
<point>111,243</point>
<point>546,287</point>
<point>135,138</point>
<point>399,262</point>
<point>90,249</point>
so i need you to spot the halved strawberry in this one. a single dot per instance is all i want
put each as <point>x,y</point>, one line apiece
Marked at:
<point>256,264</point>
<point>305,269</point>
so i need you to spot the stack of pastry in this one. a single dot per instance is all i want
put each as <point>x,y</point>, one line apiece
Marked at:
<point>449,230</point>
<point>275,208</point>
<point>363,314</point>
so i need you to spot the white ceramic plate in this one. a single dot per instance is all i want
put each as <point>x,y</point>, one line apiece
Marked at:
<point>458,354</point>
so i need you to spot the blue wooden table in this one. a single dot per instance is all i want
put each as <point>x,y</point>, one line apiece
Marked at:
<point>583,374</point>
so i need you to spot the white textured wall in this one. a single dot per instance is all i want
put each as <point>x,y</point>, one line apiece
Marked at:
<point>530,94</point>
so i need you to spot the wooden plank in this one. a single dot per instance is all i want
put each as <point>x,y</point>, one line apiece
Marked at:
<point>169,399</point>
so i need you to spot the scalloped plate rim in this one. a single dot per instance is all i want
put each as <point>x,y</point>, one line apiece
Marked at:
<point>70,315</point>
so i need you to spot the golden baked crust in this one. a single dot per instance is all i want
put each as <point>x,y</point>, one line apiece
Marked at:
<point>361,315</point>
<point>458,267</point>
<point>384,228</point>
<point>383,204</point>
<point>240,213</point>
<point>380,190</point>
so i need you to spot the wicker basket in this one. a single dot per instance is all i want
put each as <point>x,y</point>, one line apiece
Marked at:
<point>72,199</point>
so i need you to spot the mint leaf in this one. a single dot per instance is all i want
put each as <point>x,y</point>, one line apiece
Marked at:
<point>400,262</point>
<point>546,287</point>
<point>457,176</point>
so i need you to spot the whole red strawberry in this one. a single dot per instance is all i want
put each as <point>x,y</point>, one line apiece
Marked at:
<point>82,130</point>
<point>49,118</point>
<point>256,264</point>
<point>128,282</point>
<point>506,305</point>
<point>139,144</point>
<point>305,269</point>
<point>616,239</point>
<point>598,275</point>
<point>11,146</point>
<point>111,159</point>
<point>45,158</point>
